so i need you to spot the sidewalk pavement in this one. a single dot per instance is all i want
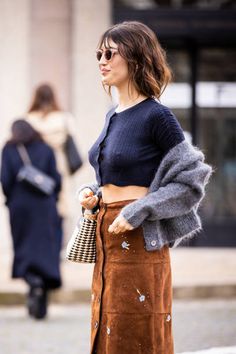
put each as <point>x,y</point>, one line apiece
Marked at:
<point>225,350</point>
<point>197,273</point>
<point>197,326</point>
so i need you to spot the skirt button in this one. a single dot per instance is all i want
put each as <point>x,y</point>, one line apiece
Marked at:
<point>96,324</point>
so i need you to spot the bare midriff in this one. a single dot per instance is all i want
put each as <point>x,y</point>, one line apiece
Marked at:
<point>112,193</point>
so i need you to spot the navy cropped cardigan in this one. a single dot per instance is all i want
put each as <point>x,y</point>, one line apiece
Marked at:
<point>133,143</point>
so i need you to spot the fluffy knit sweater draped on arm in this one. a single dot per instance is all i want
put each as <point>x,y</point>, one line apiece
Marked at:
<point>168,213</point>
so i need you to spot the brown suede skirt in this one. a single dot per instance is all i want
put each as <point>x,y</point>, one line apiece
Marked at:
<point>131,292</point>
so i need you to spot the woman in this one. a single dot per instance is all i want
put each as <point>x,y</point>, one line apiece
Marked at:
<point>150,181</point>
<point>35,224</point>
<point>46,116</point>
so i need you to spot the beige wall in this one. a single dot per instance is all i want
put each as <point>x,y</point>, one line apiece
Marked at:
<point>50,46</point>
<point>14,83</point>
<point>52,40</point>
<point>90,102</point>
<point>14,60</point>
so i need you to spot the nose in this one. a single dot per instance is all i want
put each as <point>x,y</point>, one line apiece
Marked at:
<point>103,60</point>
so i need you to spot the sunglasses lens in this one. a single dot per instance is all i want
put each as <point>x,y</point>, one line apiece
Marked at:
<point>99,55</point>
<point>108,54</point>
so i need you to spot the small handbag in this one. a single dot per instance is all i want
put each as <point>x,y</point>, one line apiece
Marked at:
<point>74,159</point>
<point>82,245</point>
<point>32,176</point>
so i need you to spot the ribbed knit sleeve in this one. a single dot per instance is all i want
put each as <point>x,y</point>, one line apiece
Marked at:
<point>165,128</point>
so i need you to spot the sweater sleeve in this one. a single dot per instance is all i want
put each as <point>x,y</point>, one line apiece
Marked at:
<point>166,130</point>
<point>177,198</point>
<point>93,186</point>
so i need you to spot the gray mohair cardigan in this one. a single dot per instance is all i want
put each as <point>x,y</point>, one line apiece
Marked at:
<point>168,213</point>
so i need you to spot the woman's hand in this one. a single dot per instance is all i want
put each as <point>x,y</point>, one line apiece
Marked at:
<point>87,198</point>
<point>120,224</point>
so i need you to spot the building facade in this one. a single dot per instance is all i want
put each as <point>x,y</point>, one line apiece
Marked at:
<point>200,40</point>
<point>55,41</point>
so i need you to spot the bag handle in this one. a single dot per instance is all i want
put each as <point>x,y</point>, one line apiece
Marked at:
<point>24,154</point>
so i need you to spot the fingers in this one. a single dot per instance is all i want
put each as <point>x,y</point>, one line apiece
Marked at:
<point>120,224</point>
<point>85,193</point>
<point>90,202</point>
<point>87,198</point>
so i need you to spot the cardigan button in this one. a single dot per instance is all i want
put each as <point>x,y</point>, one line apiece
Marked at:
<point>153,243</point>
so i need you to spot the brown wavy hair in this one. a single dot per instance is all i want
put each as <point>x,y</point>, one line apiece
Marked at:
<point>44,100</point>
<point>138,45</point>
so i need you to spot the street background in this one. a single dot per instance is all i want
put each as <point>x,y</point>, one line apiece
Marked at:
<point>54,41</point>
<point>196,325</point>
<point>204,308</point>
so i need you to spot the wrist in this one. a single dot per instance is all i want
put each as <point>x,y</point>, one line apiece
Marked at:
<point>88,212</point>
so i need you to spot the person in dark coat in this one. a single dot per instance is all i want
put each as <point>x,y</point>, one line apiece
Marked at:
<point>35,223</point>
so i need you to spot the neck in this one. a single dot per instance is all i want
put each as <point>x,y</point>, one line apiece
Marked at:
<point>128,96</point>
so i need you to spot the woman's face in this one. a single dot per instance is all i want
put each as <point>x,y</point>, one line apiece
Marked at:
<point>114,71</point>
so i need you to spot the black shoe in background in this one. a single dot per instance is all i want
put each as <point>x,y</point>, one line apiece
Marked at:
<point>37,301</point>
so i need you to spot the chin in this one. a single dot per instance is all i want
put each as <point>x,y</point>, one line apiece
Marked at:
<point>106,82</point>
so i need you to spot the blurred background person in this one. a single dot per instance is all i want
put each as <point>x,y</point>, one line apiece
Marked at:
<point>54,125</point>
<point>34,220</point>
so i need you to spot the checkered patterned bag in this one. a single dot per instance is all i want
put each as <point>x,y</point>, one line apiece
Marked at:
<point>82,245</point>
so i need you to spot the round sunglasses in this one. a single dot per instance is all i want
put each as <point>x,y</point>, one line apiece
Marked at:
<point>108,53</point>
